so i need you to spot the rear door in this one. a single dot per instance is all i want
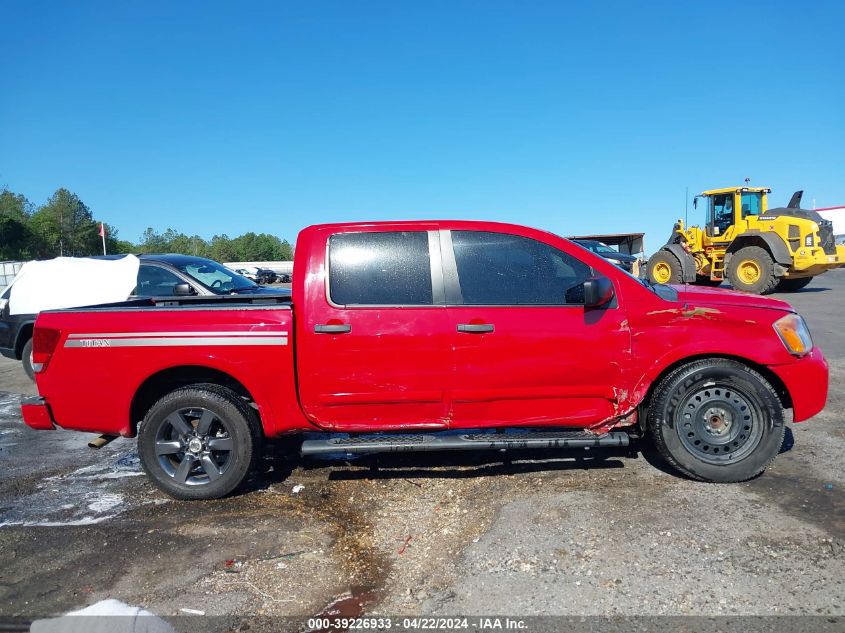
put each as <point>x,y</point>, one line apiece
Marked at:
<point>526,351</point>
<point>373,336</point>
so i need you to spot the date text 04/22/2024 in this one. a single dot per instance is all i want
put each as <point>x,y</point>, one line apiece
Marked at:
<point>416,624</point>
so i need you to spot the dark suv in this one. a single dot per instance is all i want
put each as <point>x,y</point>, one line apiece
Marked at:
<point>159,276</point>
<point>266,276</point>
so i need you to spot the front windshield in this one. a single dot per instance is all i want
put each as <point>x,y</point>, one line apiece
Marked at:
<point>601,248</point>
<point>216,277</point>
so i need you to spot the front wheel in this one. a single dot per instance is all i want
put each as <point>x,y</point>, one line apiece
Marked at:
<point>199,442</point>
<point>716,420</point>
<point>752,269</point>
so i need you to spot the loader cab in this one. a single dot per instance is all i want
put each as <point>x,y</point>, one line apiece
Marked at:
<point>732,210</point>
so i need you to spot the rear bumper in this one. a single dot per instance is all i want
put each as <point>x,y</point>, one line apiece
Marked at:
<point>37,415</point>
<point>806,380</point>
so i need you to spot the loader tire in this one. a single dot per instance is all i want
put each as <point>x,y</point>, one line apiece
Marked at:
<point>664,268</point>
<point>752,269</point>
<point>793,285</point>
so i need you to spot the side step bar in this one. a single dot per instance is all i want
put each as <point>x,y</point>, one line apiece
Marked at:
<point>408,442</point>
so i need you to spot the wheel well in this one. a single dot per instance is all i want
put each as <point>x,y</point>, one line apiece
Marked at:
<point>24,334</point>
<point>750,240</point>
<point>772,243</point>
<point>162,383</point>
<point>764,371</point>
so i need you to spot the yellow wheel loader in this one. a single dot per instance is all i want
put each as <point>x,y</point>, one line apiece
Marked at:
<point>755,248</point>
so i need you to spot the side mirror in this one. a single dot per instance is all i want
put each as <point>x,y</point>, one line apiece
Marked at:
<point>182,290</point>
<point>598,291</point>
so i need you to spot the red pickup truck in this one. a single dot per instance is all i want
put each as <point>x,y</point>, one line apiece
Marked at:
<point>441,335</point>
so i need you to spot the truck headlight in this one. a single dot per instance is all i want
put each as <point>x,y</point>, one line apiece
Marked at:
<point>794,333</point>
<point>808,241</point>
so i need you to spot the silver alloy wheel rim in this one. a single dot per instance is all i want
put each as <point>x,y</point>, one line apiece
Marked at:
<point>194,446</point>
<point>719,424</point>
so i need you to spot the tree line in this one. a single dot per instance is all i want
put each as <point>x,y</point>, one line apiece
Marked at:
<point>64,225</point>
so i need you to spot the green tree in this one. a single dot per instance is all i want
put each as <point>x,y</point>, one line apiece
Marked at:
<point>17,241</point>
<point>65,226</point>
<point>261,247</point>
<point>221,249</point>
<point>151,242</point>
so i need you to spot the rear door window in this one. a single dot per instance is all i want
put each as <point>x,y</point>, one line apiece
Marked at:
<point>380,268</point>
<point>502,269</point>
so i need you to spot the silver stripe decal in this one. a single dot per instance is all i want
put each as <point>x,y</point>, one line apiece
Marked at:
<point>94,342</point>
<point>181,334</point>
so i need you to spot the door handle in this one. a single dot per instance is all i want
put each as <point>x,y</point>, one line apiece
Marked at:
<point>333,329</point>
<point>475,328</point>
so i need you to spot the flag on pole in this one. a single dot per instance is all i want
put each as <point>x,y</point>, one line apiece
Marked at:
<point>103,235</point>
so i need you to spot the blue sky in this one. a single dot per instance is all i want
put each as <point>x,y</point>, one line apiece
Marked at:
<point>590,117</point>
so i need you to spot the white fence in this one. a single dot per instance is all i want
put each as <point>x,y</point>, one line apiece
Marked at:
<point>8,270</point>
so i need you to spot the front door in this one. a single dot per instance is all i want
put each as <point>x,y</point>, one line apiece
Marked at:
<point>526,351</point>
<point>721,217</point>
<point>373,343</point>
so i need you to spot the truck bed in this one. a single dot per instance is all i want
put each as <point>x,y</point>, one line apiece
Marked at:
<point>111,362</point>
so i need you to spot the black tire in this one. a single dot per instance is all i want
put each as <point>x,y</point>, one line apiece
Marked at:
<point>701,280</point>
<point>752,258</point>
<point>26,359</point>
<point>664,268</point>
<point>178,454</point>
<point>716,420</point>
<point>793,285</point>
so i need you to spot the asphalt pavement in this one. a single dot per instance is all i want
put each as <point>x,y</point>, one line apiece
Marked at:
<point>615,534</point>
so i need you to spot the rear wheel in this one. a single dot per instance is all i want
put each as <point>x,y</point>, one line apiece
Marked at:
<point>26,359</point>
<point>716,420</point>
<point>199,442</point>
<point>793,285</point>
<point>665,268</point>
<point>752,269</point>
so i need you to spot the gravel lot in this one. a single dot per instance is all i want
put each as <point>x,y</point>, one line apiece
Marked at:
<point>615,534</point>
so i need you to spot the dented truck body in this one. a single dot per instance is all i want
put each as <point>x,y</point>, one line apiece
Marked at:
<point>420,327</point>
